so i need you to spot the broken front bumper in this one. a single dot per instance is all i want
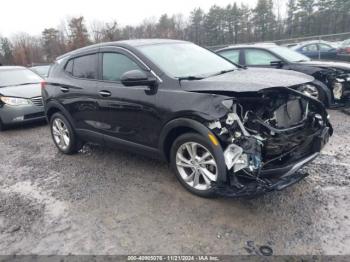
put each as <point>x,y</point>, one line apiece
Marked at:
<point>277,178</point>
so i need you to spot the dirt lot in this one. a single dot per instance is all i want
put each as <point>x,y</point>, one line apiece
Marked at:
<point>102,201</point>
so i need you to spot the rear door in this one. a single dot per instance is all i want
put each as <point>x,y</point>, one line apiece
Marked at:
<point>327,51</point>
<point>78,92</point>
<point>128,113</point>
<point>310,50</point>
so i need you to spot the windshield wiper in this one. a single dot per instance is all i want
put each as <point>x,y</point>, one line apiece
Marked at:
<point>190,78</point>
<point>24,84</point>
<point>222,72</point>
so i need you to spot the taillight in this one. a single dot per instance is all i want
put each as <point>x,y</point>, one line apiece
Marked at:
<point>43,84</point>
<point>347,50</point>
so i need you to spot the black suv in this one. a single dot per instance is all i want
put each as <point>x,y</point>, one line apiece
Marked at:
<point>224,130</point>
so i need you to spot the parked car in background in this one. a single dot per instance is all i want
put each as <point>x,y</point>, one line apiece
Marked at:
<point>42,70</point>
<point>20,96</point>
<point>316,49</point>
<point>344,48</point>
<point>332,85</point>
<point>289,45</point>
<point>224,129</point>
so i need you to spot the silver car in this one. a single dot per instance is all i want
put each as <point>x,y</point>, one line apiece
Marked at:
<point>20,96</point>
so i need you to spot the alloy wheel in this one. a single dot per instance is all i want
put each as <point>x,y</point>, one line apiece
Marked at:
<point>196,165</point>
<point>61,134</point>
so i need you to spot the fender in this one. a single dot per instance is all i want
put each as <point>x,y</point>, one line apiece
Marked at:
<point>54,104</point>
<point>201,129</point>
<point>328,92</point>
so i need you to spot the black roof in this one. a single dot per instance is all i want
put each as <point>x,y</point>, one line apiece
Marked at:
<point>125,43</point>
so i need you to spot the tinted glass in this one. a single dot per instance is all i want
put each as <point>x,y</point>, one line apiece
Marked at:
<point>85,67</point>
<point>185,59</point>
<point>69,67</point>
<point>259,57</point>
<point>115,65</point>
<point>232,55</point>
<point>13,77</point>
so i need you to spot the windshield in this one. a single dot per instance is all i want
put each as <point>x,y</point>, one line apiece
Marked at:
<point>289,55</point>
<point>42,70</point>
<point>182,60</point>
<point>13,77</point>
<point>345,43</point>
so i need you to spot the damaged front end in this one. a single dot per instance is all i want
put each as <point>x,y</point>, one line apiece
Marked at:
<point>338,81</point>
<point>267,137</point>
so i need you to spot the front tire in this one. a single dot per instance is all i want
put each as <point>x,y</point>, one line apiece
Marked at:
<point>63,134</point>
<point>195,164</point>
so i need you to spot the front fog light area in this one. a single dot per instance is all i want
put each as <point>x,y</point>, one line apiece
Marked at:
<point>19,118</point>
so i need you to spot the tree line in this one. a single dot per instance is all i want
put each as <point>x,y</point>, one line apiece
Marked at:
<point>231,24</point>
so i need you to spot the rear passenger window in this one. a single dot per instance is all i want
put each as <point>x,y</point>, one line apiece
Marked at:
<point>83,67</point>
<point>115,65</point>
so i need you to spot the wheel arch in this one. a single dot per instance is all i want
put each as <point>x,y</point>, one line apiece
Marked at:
<point>326,90</point>
<point>180,126</point>
<point>53,107</point>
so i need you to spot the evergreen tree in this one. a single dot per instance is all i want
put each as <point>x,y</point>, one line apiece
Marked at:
<point>264,20</point>
<point>196,27</point>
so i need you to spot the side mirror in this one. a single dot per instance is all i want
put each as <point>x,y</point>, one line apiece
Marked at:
<point>277,64</point>
<point>137,78</point>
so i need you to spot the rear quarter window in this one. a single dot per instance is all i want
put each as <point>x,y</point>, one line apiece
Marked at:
<point>83,67</point>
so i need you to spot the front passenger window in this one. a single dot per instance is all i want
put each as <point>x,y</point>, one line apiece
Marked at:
<point>232,55</point>
<point>115,65</point>
<point>258,57</point>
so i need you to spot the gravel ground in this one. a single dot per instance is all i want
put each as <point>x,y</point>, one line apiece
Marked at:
<point>102,201</point>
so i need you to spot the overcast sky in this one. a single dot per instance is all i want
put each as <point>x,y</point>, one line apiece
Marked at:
<point>32,16</point>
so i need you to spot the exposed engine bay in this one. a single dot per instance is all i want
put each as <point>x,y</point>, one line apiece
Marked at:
<point>266,131</point>
<point>338,81</point>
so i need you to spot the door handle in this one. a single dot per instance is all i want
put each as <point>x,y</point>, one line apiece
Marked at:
<point>105,93</point>
<point>64,89</point>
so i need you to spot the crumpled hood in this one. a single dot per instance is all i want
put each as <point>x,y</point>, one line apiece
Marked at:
<point>25,91</point>
<point>248,80</point>
<point>328,64</point>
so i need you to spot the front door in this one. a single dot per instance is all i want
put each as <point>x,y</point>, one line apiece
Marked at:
<point>128,113</point>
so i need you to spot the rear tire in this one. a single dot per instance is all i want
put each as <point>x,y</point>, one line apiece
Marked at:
<point>63,135</point>
<point>195,171</point>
